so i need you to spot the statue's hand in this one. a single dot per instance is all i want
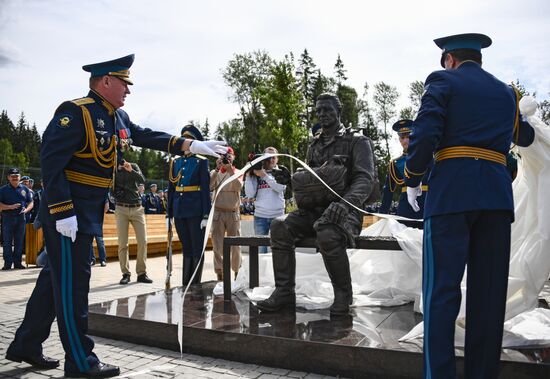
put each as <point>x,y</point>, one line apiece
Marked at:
<point>336,213</point>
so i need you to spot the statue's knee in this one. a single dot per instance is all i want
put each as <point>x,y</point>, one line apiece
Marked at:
<point>329,238</point>
<point>279,232</point>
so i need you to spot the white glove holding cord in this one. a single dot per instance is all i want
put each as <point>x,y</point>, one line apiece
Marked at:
<point>214,148</point>
<point>67,227</point>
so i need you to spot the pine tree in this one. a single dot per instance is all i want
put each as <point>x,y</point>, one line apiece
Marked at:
<point>205,130</point>
<point>340,71</point>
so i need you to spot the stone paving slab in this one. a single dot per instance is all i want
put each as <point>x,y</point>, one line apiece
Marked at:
<point>135,361</point>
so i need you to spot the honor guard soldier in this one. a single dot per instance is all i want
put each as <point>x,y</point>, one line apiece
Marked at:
<point>189,204</point>
<point>395,178</point>
<point>15,203</point>
<point>467,120</point>
<point>80,150</point>
<point>152,201</point>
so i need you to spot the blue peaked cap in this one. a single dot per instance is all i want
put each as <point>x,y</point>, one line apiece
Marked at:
<point>117,67</point>
<point>191,131</point>
<point>403,127</point>
<point>472,41</point>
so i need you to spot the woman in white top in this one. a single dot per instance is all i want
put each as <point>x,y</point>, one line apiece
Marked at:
<point>269,203</point>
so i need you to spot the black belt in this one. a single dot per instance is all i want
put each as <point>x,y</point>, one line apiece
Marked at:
<point>129,205</point>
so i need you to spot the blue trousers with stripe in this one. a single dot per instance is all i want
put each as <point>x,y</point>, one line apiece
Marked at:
<point>480,240</point>
<point>191,235</point>
<point>61,290</point>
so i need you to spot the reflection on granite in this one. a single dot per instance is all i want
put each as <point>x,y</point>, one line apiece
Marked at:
<point>371,327</point>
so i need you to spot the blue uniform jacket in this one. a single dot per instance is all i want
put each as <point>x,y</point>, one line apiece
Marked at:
<point>151,203</point>
<point>189,195</point>
<point>395,180</point>
<point>18,195</point>
<point>466,106</point>
<point>78,153</point>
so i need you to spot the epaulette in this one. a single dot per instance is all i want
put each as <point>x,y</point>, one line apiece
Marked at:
<point>83,101</point>
<point>200,156</point>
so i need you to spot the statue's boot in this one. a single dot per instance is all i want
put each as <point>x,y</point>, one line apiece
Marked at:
<point>340,276</point>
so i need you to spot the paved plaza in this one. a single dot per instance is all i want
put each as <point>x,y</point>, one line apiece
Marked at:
<point>135,361</point>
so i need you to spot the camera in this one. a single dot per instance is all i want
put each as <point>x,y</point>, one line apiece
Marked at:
<point>259,165</point>
<point>225,159</point>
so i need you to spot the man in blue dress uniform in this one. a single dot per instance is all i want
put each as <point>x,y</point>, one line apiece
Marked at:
<point>467,120</point>
<point>151,202</point>
<point>15,203</point>
<point>396,178</point>
<point>80,149</point>
<point>189,204</point>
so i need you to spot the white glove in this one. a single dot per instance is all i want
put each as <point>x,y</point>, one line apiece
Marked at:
<point>412,194</point>
<point>212,147</point>
<point>204,222</point>
<point>67,227</point>
<point>528,106</point>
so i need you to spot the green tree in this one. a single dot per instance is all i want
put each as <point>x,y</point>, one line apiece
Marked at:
<point>350,106</point>
<point>407,113</point>
<point>282,104</point>
<point>544,108</point>
<point>245,74</point>
<point>232,132</point>
<point>385,97</point>
<point>205,130</point>
<point>340,71</point>
<point>416,90</point>
<point>369,129</point>
<point>305,76</point>
<point>7,129</point>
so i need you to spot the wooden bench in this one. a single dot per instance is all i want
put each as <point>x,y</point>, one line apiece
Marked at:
<point>157,236</point>
<point>371,243</point>
<point>34,242</point>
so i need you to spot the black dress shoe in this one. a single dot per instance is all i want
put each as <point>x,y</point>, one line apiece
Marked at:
<point>103,264</point>
<point>143,278</point>
<point>19,266</point>
<point>40,361</point>
<point>6,268</point>
<point>125,279</point>
<point>101,370</point>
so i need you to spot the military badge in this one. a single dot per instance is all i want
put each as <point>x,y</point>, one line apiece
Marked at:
<point>100,123</point>
<point>23,193</point>
<point>64,121</point>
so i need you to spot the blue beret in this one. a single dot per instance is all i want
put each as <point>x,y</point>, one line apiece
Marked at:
<point>191,131</point>
<point>472,41</point>
<point>403,127</point>
<point>117,67</point>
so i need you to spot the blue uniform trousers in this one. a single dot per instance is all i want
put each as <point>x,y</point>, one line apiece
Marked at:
<point>191,235</point>
<point>480,239</point>
<point>13,232</point>
<point>61,290</point>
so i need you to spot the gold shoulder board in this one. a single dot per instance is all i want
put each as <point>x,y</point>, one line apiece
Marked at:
<point>83,101</point>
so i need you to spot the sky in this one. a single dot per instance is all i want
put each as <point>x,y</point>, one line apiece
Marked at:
<point>181,47</point>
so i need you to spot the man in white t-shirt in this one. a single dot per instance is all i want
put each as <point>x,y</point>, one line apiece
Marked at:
<point>268,194</point>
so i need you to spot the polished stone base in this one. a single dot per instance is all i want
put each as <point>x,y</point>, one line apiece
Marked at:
<point>364,344</point>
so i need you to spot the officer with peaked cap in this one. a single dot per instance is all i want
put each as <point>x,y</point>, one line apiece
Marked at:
<point>396,176</point>
<point>15,203</point>
<point>189,204</point>
<point>152,200</point>
<point>467,120</point>
<point>80,149</point>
